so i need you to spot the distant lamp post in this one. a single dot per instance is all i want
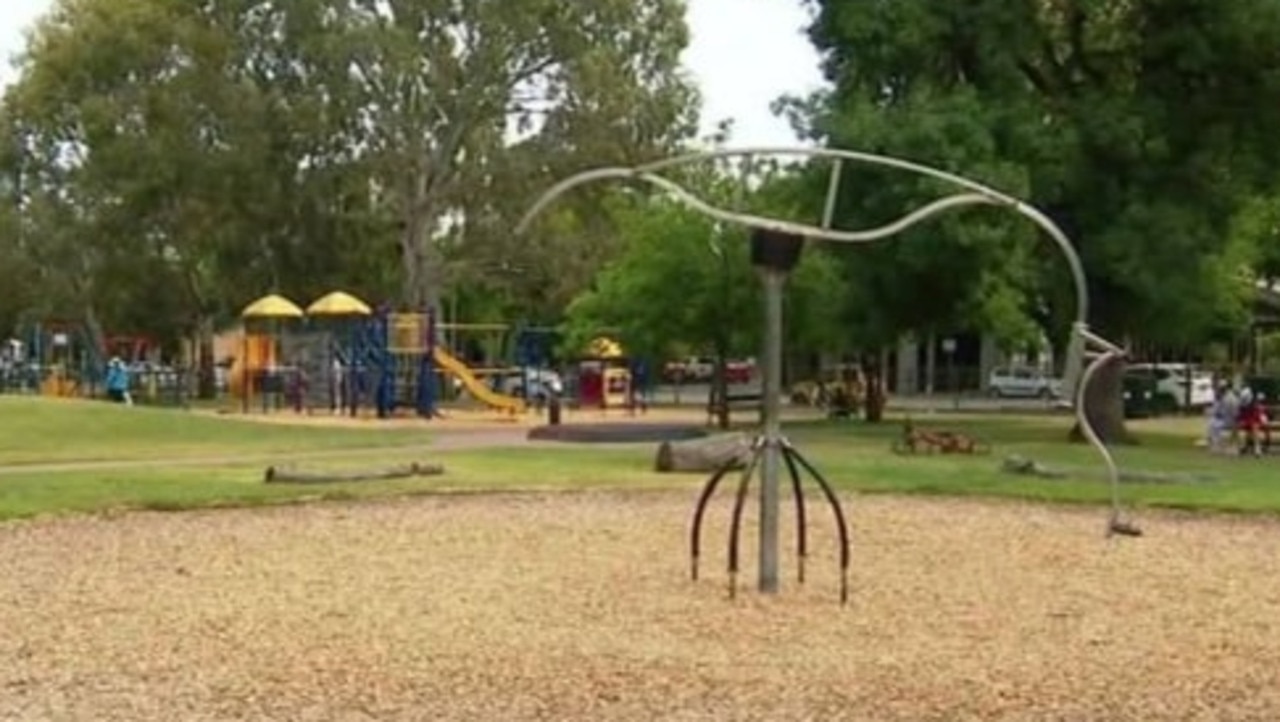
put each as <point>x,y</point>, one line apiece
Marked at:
<point>949,350</point>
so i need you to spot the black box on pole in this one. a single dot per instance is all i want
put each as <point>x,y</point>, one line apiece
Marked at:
<point>776,251</point>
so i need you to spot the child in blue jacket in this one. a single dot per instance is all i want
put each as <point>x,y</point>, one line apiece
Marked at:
<point>118,382</point>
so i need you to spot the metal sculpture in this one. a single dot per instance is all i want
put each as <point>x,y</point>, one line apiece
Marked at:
<point>776,247</point>
<point>775,255</point>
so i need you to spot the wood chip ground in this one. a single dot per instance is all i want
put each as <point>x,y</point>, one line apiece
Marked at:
<point>566,607</point>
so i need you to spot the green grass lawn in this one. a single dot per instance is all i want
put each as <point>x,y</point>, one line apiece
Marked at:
<point>31,494</point>
<point>857,456</point>
<point>854,456</point>
<point>36,430</point>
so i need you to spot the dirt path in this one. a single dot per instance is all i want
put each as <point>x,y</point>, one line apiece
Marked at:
<point>579,607</point>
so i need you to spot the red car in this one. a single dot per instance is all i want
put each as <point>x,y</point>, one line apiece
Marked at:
<point>739,372</point>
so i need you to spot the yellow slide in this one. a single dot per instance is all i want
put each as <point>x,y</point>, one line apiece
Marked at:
<point>475,386</point>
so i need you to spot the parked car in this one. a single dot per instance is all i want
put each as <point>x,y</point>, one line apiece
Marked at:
<point>1022,382</point>
<point>541,384</point>
<point>691,369</point>
<point>739,371</point>
<point>1173,380</point>
<point>1142,397</point>
<point>701,369</point>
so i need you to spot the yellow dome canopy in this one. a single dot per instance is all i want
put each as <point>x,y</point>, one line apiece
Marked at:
<point>339,303</point>
<point>603,347</point>
<point>272,306</point>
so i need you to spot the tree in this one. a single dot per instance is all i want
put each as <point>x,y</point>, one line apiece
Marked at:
<point>175,162</point>
<point>1122,119</point>
<point>224,149</point>
<point>16,270</point>
<point>683,282</point>
<point>1258,227</point>
<point>442,85</point>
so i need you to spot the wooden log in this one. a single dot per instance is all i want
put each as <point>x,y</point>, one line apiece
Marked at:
<point>275,475</point>
<point>702,455</point>
<point>1028,467</point>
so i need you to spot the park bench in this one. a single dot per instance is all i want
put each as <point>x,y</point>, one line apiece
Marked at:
<point>729,402</point>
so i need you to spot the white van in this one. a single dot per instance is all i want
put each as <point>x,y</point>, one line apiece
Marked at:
<point>1022,381</point>
<point>1173,379</point>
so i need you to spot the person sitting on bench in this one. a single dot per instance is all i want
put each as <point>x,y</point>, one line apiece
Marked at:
<point>1254,424</point>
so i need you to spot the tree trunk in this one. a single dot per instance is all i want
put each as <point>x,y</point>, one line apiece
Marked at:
<point>874,408</point>
<point>90,377</point>
<point>702,455</point>
<point>720,383</point>
<point>1104,405</point>
<point>930,364</point>
<point>414,291</point>
<point>423,266</point>
<point>206,376</point>
<point>97,338</point>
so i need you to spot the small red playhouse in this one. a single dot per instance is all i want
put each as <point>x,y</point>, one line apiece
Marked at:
<point>604,376</point>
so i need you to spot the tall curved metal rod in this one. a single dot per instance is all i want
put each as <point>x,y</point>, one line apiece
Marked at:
<point>842,525</point>
<point>828,153</point>
<point>700,510</point>
<point>992,196</point>
<point>749,220</point>
<point>735,523</point>
<point>753,221</point>
<point>802,524</point>
<point>1073,378</point>
<point>1116,524</point>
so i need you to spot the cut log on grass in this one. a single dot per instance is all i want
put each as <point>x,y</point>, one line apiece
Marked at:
<point>275,475</point>
<point>1029,467</point>
<point>702,455</point>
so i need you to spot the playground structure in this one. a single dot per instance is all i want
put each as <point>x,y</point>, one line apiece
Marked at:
<point>66,360</point>
<point>342,356</point>
<point>58,358</point>
<point>776,246</point>
<point>604,376</point>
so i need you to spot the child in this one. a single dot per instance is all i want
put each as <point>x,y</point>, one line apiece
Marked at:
<point>118,382</point>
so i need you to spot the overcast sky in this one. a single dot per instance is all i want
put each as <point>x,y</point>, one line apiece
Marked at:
<point>744,54</point>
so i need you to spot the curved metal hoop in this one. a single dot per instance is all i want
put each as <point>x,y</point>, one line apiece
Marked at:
<point>1116,524</point>
<point>647,173</point>
<point>978,194</point>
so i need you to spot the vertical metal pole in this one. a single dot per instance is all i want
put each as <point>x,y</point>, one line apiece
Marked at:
<point>833,193</point>
<point>771,394</point>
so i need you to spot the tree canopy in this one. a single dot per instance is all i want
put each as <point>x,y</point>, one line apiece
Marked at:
<point>1134,123</point>
<point>171,160</point>
<point>684,283</point>
<point>166,161</point>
